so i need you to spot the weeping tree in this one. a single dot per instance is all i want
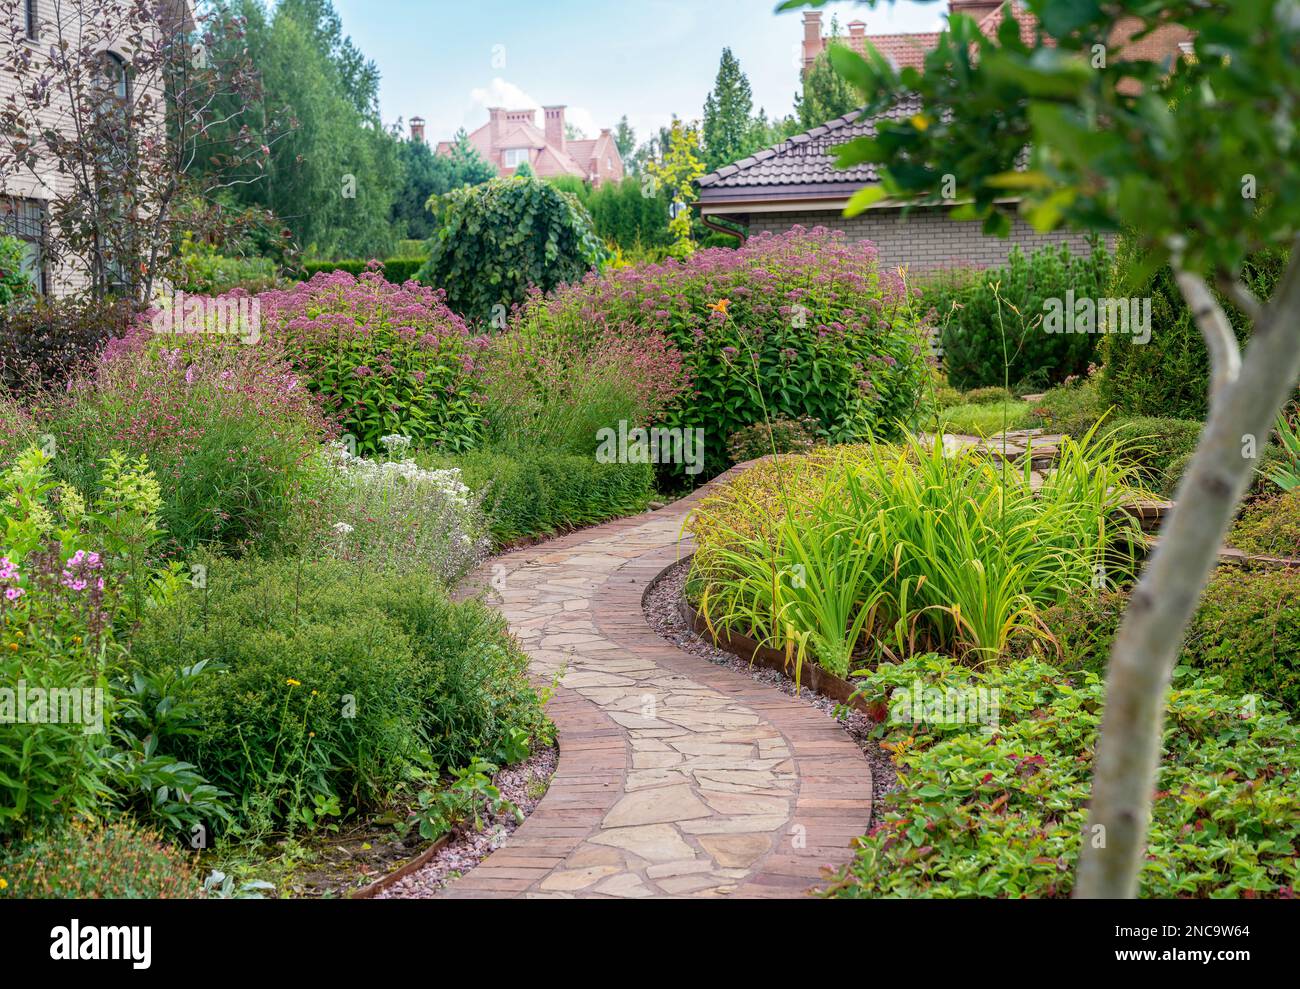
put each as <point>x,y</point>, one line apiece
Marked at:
<point>1197,155</point>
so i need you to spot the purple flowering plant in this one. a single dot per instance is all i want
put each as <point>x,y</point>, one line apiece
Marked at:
<point>831,335</point>
<point>385,359</point>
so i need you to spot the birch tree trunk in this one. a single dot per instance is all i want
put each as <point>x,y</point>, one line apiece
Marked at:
<point>1245,400</point>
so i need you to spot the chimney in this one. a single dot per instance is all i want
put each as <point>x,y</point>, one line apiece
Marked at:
<point>554,126</point>
<point>857,31</point>
<point>812,36</point>
<point>417,129</point>
<point>495,115</point>
<point>978,9</point>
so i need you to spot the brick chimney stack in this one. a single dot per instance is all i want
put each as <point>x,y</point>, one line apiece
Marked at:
<point>857,31</point>
<point>496,115</point>
<point>417,129</point>
<point>554,126</point>
<point>812,36</point>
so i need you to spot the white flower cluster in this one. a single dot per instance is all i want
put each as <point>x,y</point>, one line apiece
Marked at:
<point>447,483</point>
<point>396,445</point>
<point>401,515</point>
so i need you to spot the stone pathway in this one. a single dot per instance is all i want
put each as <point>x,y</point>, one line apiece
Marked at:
<point>676,777</point>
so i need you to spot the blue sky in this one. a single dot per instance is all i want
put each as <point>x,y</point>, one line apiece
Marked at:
<point>447,61</point>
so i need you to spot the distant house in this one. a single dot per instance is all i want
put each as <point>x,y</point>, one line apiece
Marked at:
<point>512,137</point>
<point>25,194</point>
<point>796,182</point>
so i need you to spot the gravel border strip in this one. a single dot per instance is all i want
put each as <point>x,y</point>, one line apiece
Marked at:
<point>664,616</point>
<point>467,847</point>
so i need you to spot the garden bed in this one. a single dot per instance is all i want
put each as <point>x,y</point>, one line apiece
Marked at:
<point>455,854</point>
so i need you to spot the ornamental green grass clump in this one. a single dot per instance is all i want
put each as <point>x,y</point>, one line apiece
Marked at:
<point>891,550</point>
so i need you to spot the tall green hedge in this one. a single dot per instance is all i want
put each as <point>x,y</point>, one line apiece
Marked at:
<point>972,322</point>
<point>398,271</point>
<point>1169,376</point>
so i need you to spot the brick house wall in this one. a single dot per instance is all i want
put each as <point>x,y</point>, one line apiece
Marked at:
<point>24,197</point>
<point>924,240</point>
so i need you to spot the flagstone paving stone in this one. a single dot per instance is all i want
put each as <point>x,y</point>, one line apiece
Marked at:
<point>676,777</point>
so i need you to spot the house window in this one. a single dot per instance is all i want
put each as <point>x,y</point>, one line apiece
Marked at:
<point>115,76</point>
<point>514,157</point>
<point>31,19</point>
<point>25,220</point>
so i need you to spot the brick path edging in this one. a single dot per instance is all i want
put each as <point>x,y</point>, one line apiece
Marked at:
<point>676,776</point>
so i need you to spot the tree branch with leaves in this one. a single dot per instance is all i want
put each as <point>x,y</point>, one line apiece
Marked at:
<point>1195,157</point>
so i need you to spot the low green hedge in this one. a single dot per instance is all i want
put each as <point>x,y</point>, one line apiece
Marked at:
<point>1246,630</point>
<point>1270,526</point>
<point>398,271</point>
<point>1001,812</point>
<point>1155,445</point>
<point>1072,408</point>
<point>541,493</point>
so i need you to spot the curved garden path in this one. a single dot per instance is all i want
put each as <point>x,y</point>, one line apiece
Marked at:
<point>676,777</point>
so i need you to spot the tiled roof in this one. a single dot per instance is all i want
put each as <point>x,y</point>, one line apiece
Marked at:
<point>806,159</point>
<point>903,50</point>
<point>581,152</point>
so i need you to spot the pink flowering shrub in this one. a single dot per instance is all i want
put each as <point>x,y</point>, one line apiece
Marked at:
<point>17,429</point>
<point>385,359</point>
<point>549,391</point>
<point>804,324</point>
<point>230,431</point>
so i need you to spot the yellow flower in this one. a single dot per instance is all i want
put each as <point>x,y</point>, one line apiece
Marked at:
<point>4,884</point>
<point>315,693</point>
<point>13,647</point>
<point>76,640</point>
<point>721,306</point>
<point>920,121</point>
<point>311,734</point>
<point>293,683</point>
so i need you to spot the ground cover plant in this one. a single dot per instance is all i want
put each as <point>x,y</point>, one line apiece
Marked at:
<point>998,808</point>
<point>1245,631</point>
<point>985,418</point>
